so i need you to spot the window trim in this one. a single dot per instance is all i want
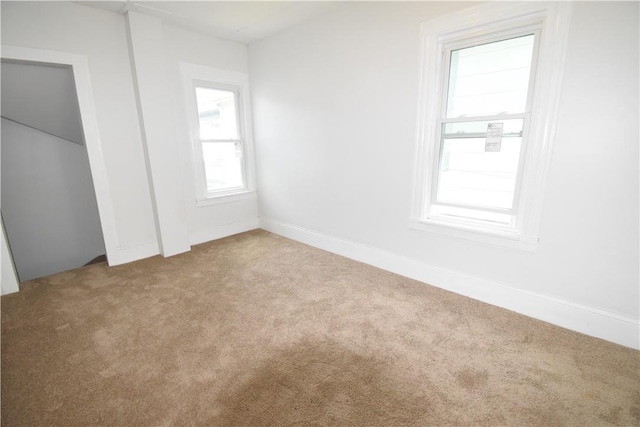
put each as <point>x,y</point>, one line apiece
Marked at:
<point>195,75</point>
<point>442,34</point>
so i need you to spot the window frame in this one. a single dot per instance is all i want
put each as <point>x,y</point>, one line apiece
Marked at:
<point>525,115</point>
<point>474,26</point>
<point>195,76</point>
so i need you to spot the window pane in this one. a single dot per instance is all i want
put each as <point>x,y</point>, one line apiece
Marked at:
<point>477,170</point>
<point>217,113</point>
<point>222,165</point>
<point>492,78</point>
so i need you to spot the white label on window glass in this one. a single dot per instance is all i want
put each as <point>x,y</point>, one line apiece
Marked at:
<point>494,137</point>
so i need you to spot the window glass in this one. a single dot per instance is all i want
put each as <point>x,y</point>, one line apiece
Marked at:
<point>491,78</point>
<point>217,113</point>
<point>476,169</point>
<point>223,165</point>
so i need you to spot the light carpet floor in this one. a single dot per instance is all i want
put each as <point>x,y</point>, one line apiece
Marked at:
<point>257,330</point>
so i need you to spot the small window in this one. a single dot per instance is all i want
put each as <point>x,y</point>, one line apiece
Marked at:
<point>218,114</point>
<point>221,140</point>
<point>489,94</point>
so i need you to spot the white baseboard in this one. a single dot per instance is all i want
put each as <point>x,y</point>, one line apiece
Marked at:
<point>577,317</point>
<point>123,255</point>
<point>223,230</point>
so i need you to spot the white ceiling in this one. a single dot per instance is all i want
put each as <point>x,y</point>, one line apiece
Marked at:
<point>240,21</point>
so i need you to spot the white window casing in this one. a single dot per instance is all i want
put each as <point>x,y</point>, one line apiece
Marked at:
<point>484,24</point>
<point>201,77</point>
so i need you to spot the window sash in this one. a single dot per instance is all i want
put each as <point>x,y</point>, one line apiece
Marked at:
<point>238,105</point>
<point>440,138</point>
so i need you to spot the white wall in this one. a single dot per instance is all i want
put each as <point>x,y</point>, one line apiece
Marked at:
<point>48,202</point>
<point>180,45</point>
<point>42,97</point>
<point>146,48</point>
<point>335,104</point>
<point>101,37</point>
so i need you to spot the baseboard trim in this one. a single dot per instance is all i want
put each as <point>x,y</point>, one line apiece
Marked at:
<point>577,317</point>
<point>123,255</point>
<point>223,230</point>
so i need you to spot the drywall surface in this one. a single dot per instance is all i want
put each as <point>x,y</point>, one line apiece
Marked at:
<point>180,45</point>
<point>101,37</point>
<point>48,202</point>
<point>42,97</point>
<point>156,117</point>
<point>335,106</point>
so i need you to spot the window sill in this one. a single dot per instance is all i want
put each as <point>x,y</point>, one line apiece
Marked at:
<point>491,236</point>
<point>226,198</point>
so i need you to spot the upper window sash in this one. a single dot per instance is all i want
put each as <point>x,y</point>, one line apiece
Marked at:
<point>238,110</point>
<point>474,41</point>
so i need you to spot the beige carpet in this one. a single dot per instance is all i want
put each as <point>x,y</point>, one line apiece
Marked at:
<point>258,330</point>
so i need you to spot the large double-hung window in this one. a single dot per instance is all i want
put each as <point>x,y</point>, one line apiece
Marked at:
<point>490,86</point>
